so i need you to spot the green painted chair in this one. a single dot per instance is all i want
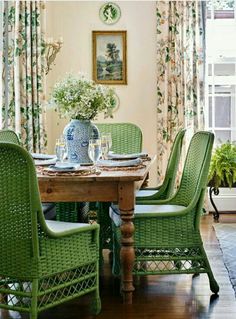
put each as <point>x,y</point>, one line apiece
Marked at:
<point>11,137</point>
<point>126,139</point>
<point>43,263</point>
<point>165,190</point>
<point>167,239</point>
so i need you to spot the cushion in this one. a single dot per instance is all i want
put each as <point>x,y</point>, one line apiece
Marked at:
<point>115,213</point>
<point>146,192</point>
<point>158,208</point>
<point>57,226</point>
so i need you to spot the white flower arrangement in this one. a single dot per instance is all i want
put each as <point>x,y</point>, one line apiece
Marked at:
<point>82,99</point>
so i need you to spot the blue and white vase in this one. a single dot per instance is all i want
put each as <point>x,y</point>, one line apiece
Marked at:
<point>77,134</point>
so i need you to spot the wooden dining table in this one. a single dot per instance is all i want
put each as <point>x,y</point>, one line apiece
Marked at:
<point>109,186</point>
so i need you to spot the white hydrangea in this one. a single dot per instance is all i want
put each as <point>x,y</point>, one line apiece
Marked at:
<point>81,98</point>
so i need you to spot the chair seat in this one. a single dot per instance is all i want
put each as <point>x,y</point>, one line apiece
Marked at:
<point>146,192</point>
<point>57,226</point>
<point>142,209</point>
<point>158,208</point>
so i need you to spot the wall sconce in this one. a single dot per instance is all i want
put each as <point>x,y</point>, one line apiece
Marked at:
<point>52,47</point>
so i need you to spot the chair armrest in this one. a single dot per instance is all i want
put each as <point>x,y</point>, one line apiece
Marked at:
<point>164,214</point>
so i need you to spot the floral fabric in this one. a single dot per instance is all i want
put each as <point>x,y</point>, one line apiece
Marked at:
<point>23,72</point>
<point>180,64</point>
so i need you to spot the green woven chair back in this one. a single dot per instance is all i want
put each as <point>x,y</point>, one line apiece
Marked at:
<point>194,177</point>
<point>126,137</point>
<point>167,188</point>
<point>39,268</point>
<point>9,136</point>
<point>17,224</point>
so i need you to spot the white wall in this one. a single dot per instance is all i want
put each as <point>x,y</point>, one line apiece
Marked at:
<point>74,21</point>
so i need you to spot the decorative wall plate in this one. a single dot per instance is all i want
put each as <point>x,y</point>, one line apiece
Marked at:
<point>116,103</point>
<point>109,13</point>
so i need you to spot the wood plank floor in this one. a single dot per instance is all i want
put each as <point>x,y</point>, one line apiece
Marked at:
<point>160,297</point>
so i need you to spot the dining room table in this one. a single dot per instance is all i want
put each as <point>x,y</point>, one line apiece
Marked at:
<point>117,185</point>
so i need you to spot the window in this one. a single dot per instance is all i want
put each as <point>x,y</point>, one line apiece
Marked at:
<point>221,70</point>
<point>220,9</point>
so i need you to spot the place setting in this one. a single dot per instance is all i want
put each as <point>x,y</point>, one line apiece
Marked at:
<point>99,153</point>
<point>58,164</point>
<point>109,160</point>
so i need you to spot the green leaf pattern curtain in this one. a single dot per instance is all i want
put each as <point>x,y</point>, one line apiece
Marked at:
<point>180,78</point>
<point>23,72</point>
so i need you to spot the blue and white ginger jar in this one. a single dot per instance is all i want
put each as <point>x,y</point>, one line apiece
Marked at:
<point>77,134</point>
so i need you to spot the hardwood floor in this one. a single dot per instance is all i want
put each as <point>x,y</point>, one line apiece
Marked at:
<point>160,297</point>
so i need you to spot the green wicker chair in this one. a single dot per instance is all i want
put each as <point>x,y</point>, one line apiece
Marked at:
<point>126,139</point>
<point>167,239</point>
<point>43,263</point>
<point>11,137</point>
<point>165,190</point>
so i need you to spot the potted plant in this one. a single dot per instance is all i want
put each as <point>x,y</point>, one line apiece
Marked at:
<point>81,99</point>
<point>222,171</point>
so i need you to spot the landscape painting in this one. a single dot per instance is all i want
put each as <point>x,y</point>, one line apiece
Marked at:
<point>109,57</point>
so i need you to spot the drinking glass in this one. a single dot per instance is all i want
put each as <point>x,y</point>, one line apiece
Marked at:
<point>94,152</point>
<point>60,149</point>
<point>105,145</point>
<point>109,138</point>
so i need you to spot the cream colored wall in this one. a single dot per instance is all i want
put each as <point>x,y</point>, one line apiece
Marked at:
<point>74,21</point>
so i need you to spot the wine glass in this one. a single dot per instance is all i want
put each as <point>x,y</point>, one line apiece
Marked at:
<point>104,145</point>
<point>60,149</point>
<point>109,138</point>
<point>94,152</point>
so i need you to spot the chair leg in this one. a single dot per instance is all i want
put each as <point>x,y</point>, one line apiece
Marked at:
<point>34,300</point>
<point>213,283</point>
<point>96,304</point>
<point>95,307</point>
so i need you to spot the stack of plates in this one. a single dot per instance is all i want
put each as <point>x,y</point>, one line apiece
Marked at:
<point>43,159</point>
<point>116,163</point>
<point>114,156</point>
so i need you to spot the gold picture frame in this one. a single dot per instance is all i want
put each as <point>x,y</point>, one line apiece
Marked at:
<point>109,57</point>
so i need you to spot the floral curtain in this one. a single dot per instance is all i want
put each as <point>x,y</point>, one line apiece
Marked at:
<point>180,78</point>
<point>23,72</point>
<point>1,56</point>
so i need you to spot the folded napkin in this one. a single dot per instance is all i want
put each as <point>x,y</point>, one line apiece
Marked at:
<point>45,162</point>
<point>126,156</point>
<point>40,156</point>
<point>110,163</point>
<point>65,167</point>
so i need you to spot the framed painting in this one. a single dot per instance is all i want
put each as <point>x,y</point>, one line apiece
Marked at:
<point>109,57</point>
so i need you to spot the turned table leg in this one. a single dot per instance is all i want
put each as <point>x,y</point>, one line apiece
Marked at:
<point>127,255</point>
